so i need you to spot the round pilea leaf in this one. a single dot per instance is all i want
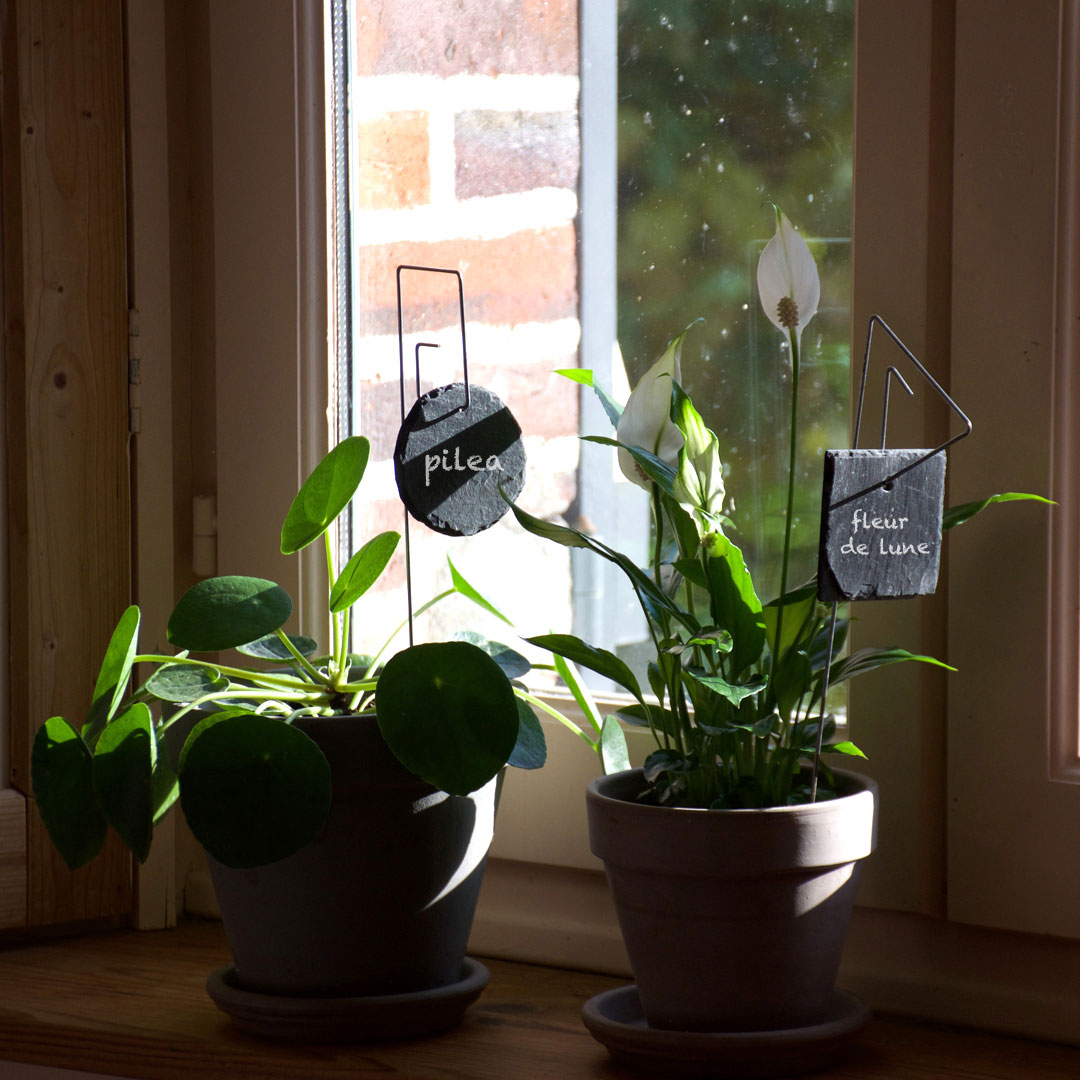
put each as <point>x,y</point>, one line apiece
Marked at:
<point>325,493</point>
<point>253,789</point>
<point>271,647</point>
<point>448,713</point>
<point>454,464</point>
<point>184,682</point>
<point>61,770</point>
<point>223,612</point>
<point>513,664</point>
<point>530,752</point>
<point>124,760</point>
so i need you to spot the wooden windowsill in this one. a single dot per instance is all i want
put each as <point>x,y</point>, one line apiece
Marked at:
<point>132,1004</point>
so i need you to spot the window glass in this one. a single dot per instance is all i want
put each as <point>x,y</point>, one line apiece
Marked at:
<point>465,150</point>
<point>724,108</point>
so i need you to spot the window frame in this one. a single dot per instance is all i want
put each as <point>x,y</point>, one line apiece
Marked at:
<point>66,389</point>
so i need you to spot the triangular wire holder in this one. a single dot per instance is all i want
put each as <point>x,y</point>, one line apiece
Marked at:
<point>877,320</point>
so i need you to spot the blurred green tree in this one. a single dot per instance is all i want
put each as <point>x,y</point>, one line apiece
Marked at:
<point>725,106</point>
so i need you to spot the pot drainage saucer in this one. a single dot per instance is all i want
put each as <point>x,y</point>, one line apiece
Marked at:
<point>615,1018</point>
<point>347,1019</point>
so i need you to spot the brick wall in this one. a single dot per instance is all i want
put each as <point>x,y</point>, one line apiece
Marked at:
<point>467,132</point>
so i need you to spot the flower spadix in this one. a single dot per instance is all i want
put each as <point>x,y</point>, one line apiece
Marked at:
<point>646,419</point>
<point>787,277</point>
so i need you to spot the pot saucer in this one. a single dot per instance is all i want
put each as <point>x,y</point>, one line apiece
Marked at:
<point>347,1019</point>
<point>615,1018</point>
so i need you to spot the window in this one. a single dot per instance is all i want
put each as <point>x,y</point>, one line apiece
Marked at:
<point>467,156</point>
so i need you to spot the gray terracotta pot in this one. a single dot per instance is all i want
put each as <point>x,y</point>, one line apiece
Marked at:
<point>382,901</point>
<point>734,920</point>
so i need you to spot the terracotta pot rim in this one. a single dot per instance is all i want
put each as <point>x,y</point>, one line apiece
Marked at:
<point>857,782</point>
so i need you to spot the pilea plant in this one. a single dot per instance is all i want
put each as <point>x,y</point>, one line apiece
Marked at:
<point>735,683</point>
<point>253,786</point>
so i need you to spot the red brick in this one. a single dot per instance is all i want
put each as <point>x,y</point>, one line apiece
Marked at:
<point>380,416</point>
<point>525,277</point>
<point>499,152</point>
<point>451,37</point>
<point>392,162</point>
<point>544,404</point>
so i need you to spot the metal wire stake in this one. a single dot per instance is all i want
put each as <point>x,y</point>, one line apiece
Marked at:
<point>890,373</point>
<point>401,384</point>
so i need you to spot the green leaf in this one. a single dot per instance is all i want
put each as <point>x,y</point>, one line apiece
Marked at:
<point>735,605</point>
<point>792,681</point>
<point>363,570</point>
<point>585,377</point>
<point>184,682</point>
<point>864,660</point>
<point>845,747</point>
<point>164,788</point>
<point>733,692</point>
<point>61,771</point>
<point>599,660</point>
<point>325,493</point>
<point>652,599</point>
<point>639,716</point>
<point>271,647</point>
<point>665,761</point>
<point>957,515</point>
<point>513,664</point>
<point>580,692</point>
<point>466,590</point>
<point>711,637</point>
<point>657,470</point>
<point>798,607</point>
<point>448,714</point>
<point>530,750</point>
<point>613,753</point>
<point>224,612</point>
<point>113,677</point>
<point>122,771</point>
<point>253,789</point>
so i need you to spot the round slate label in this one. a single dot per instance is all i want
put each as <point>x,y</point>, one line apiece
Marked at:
<point>450,461</point>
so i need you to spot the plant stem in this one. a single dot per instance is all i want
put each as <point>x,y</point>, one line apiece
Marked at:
<point>243,693</point>
<point>299,657</point>
<point>401,626</point>
<point>331,579</point>
<point>794,338</point>
<point>285,682</point>
<point>343,656</point>
<point>658,544</point>
<point>564,720</point>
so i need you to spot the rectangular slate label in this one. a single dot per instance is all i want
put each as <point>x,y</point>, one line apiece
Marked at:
<point>880,540</point>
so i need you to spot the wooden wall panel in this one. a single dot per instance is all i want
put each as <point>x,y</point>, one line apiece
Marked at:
<point>67,399</point>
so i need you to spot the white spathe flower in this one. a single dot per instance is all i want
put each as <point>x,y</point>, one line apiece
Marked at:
<point>646,419</point>
<point>699,480</point>
<point>787,278</point>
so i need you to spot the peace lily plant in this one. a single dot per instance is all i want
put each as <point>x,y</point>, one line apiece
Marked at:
<point>254,787</point>
<point>736,683</point>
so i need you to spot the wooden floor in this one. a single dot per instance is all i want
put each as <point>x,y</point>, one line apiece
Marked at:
<point>133,1004</point>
